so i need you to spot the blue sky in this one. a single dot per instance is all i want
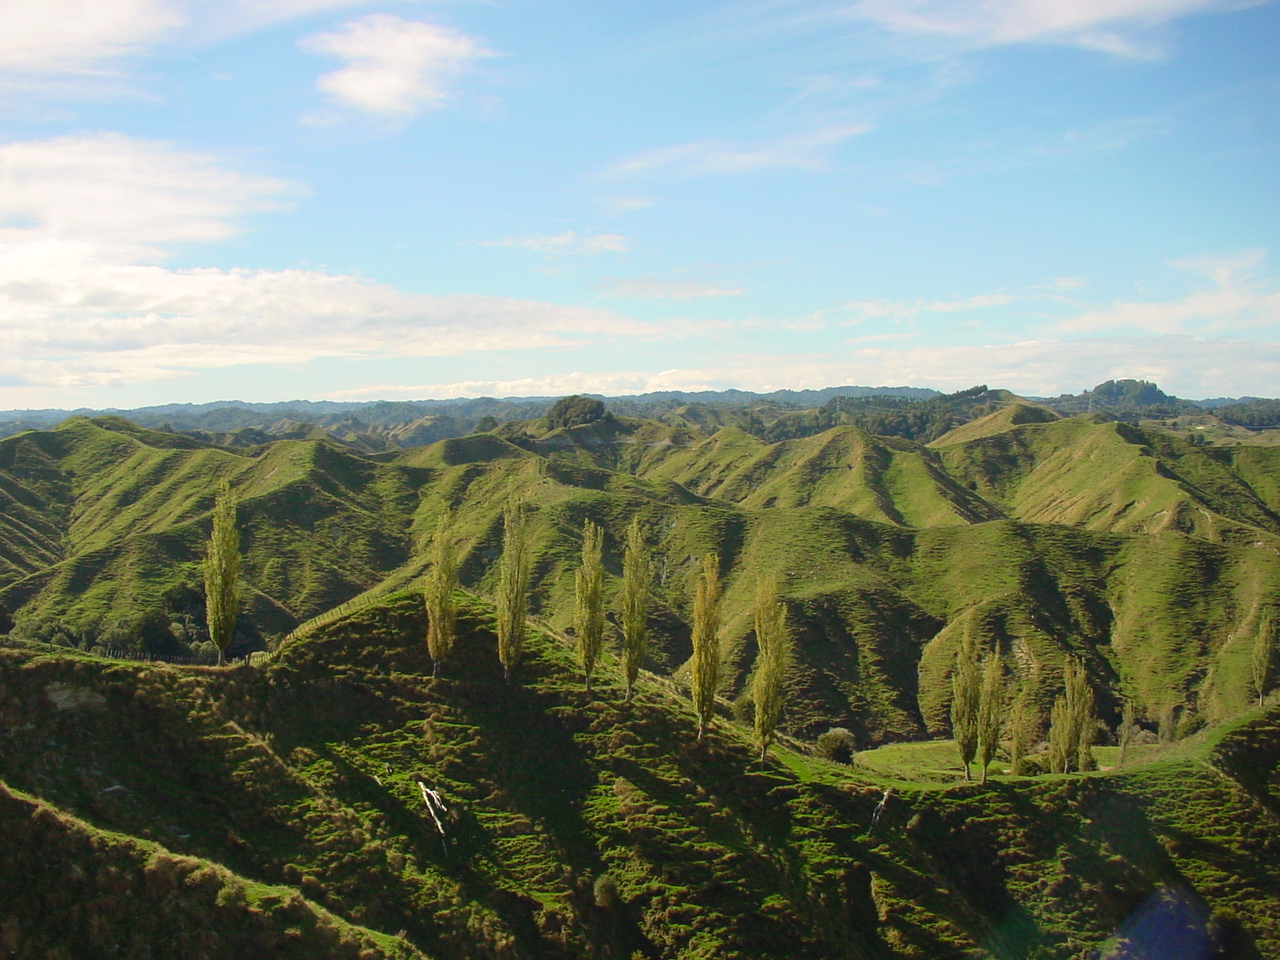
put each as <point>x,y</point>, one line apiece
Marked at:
<point>274,199</point>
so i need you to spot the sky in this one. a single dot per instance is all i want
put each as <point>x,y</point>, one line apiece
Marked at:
<point>266,200</point>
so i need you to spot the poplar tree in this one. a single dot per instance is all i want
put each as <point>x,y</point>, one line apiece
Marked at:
<point>636,573</point>
<point>1085,720</point>
<point>990,709</point>
<point>513,589</point>
<point>966,693</point>
<point>588,613</point>
<point>1262,659</point>
<point>1072,722</point>
<point>221,569</point>
<point>1128,729</point>
<point>705,667</point>
<point>1019,733</point>
<point>438,594</point>
<point>773,659</point>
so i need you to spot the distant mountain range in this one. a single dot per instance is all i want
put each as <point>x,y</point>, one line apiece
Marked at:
<point>383,425</point>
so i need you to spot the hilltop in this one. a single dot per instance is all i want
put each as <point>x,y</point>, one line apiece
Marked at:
<point>287,796</point>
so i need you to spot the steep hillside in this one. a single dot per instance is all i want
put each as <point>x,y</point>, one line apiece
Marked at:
<point>1109,476</point>
<point>575,825</point>
<point>1152,560</point>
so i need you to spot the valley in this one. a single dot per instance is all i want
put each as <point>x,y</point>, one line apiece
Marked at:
<point>285,797</point>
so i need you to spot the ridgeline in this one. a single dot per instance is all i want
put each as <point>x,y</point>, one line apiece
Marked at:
<point>291,801</point>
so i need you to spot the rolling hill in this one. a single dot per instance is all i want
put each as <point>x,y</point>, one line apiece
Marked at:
<point>287,798</point>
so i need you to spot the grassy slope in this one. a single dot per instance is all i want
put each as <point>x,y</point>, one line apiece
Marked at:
<point>304,774</point>
<point>1165,617</point>
<point>130,517</point>
<point>73,890</point>
<point>1109,476</point>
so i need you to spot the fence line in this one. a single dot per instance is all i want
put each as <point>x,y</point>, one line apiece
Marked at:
<point>254,659</point>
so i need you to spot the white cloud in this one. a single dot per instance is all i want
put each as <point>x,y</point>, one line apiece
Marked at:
<point>1186,366</point>
<point>552,385</point>
<point>42,38</point>
<point>121,196</point>
<point>1105,25</point>
<point>565,243</point>
<point>651,288</point>
<point>910,309</point>
<point>92,324</point>
<point>57,36</point>
<point>84,301</point>
<point>394,66</point>
<point>807,151</point>
<point>1238,299</point>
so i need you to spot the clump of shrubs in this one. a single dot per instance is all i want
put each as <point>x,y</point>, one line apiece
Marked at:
<point>837,744</point>
<point>605,892</point>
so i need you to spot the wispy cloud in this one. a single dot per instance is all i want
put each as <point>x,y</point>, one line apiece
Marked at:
<point>1238,297</point>
<point>395,67</point>
<point>86,301</point>
<point>121,198</point>
<point>910,309</point>
<point>43,39</point>
<point>619,206</point>
<point>653,288</point>
<point>69,36</point>
<point>1188,366</point>
<point>552,385</point>
<point>568,242</point>
<point>805,151</point>
<point>1112,26</point>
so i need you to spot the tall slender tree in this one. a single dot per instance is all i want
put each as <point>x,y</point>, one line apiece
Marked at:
<point>705,668</point>
<point>221,570</point>
<point>1262,659</point>
<point>773,660</point>
<point>990,711</point>
<point>1072,723</point>
<point>438,594</point>
<point>513,589</point>
<point>1085,719</point>
<point>1128,730</point>
<point>966,695</point>
<point>1019,732</point>
<point>588,613</point>
<point>636,573</point>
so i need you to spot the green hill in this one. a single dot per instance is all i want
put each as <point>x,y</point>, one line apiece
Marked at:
<point>285,806</point>
<point>1152,559</point>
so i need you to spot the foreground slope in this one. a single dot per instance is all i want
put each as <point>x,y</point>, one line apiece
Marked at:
<point>579,826</point>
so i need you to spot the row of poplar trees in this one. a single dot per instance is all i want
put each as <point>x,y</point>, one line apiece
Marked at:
<point>775,651</point>
<point>978,710</point>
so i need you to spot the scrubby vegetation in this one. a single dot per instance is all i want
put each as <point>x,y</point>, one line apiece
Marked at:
<point>780,640</point>
<point>311,773</point>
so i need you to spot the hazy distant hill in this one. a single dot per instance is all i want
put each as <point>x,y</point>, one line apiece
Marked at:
<point>1152,558</point>
<point>231,415</point>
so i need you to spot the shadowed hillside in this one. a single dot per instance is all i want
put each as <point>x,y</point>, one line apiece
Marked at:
<point>575,825</point>
<point>1151,559</point>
